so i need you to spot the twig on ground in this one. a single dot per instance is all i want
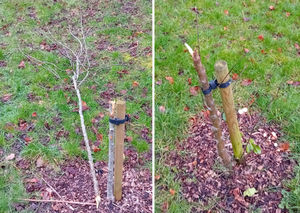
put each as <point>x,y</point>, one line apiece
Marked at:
<point>58,201</point>
<point>56,193</point>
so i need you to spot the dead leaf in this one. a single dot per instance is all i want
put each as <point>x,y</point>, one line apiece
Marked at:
<point>84,107</point>
<point>194,90</point>
<point>157,177</point>
<point>238,197</point>
<point>206,113</point>
<point>159,82</point>
<point>22,125</point>
<point>261,37</point>
<point>186,108</point>
<point>272,7</point>
<point>170,79</point>
<point>172,191</point>
<point>246,82</point>
<point>273,136</point>
<point>96,149</point>
<point>263,52</point>
<point>135,84</point>
<point>162,109</point>
<point>31,180</point>
<point>293,83</point>
<point>165,206</point>
<point>246,50</point>
<point>99,137</point>
<point>39,162</point>
<point>6,97</point>
<point>284,147</point>
<point>21,65</point>
<point>189,81</point>
<point>10,157</point>
<point>27,139</point>
<point>235,76</point>
<point>128,138</point>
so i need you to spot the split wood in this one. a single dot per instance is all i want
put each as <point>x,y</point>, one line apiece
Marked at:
<point>222,75</point>
<point>119,149</point>
<point>216,121</point>
<point>111,154</point>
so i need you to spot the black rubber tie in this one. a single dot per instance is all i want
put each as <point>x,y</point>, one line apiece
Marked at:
<point>117,121</point>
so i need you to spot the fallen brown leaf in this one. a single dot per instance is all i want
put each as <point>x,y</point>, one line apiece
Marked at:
<point>135,84</point>
<point>21,65</point>
<point>235,76</point>
<point>246,82</point>
<point>162,109</point>
<point>194,90</point>
<point>170,79</point>
<point>172,191</point>
<point>6,97</point>
<point>284,147</point>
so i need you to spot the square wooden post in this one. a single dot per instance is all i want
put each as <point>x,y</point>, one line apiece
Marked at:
<point>120,107</point>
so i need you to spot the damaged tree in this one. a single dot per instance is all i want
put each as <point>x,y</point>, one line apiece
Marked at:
<point>211,107</point>
<point>79,60</point>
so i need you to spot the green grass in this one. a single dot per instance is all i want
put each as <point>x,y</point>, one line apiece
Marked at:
<point>51,98</point>
<point>175,24</point>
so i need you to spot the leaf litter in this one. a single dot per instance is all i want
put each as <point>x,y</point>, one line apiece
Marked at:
<point>207,178</point>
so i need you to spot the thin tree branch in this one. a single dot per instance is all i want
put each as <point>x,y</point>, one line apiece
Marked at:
<point>59,201</point>
<point>87,145</point>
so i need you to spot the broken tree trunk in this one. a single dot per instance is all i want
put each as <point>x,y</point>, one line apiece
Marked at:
<point>222,76</point>
<point>111,154</point>
<point>119,149</point>
<point>211,107</point>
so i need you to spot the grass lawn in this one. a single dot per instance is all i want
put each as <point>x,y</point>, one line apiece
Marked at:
<point>120,49</point>
<point>229,31</point>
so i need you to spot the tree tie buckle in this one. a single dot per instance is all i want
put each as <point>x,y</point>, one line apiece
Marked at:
<point>213,84</point>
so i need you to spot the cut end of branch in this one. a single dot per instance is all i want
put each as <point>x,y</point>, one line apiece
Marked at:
<point>98,199</point>
<point>189,49</point>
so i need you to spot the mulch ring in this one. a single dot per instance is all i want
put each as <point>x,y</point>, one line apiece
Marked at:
<point>203,178</point>
<point>73,182</point>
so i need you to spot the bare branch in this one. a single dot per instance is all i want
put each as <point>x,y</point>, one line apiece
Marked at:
<point>60,201</point>
<point>42,62</point>
<point>80,43</point>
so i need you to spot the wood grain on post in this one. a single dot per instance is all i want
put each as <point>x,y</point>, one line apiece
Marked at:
<point>221,71</point>
<point>119,149</point>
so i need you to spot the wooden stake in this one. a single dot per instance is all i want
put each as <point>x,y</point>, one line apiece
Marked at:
<point>119,149</point>
<point>222,76</point>
<point>213,111</point>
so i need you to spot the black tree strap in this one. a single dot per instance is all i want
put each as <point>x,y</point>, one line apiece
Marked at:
<point>117,121</point>
<point>213,84</point>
